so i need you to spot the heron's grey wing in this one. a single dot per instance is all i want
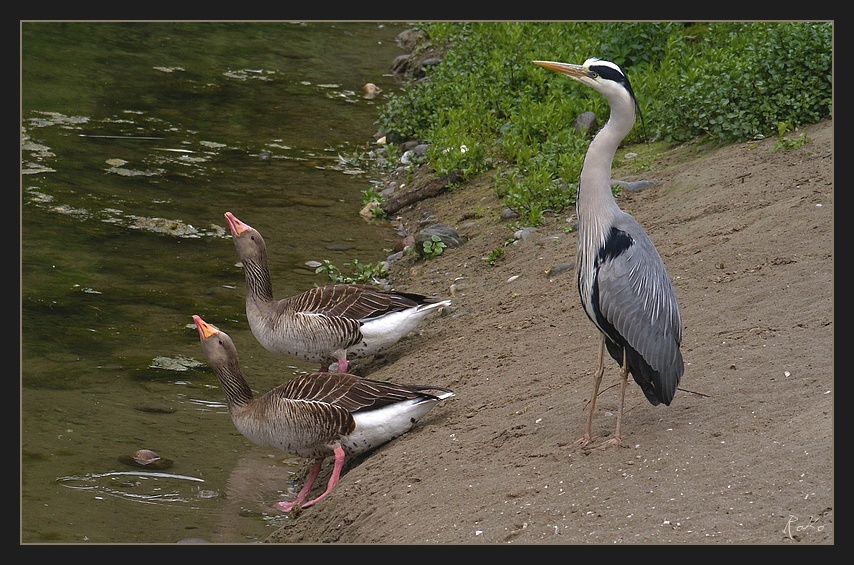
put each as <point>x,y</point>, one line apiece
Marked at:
<point>636,297</point>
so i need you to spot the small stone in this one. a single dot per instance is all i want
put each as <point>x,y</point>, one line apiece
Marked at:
<point>146,458</point>
<point>371,90</point>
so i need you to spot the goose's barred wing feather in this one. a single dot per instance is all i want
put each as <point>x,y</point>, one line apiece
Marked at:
<point>347,391</point>
<point>353,301</point>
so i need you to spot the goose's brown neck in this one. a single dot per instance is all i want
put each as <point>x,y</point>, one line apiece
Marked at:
<point>258,284</point>
<point>234,385</point>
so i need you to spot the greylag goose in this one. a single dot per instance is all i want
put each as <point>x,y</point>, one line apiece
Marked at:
<point>316,414</point>
<point>324,324</point>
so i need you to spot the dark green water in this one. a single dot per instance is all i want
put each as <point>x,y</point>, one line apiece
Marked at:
<point>136,139</point>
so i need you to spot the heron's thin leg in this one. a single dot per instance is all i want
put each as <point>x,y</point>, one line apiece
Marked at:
<point>625,379</point>
<point>624,374</point>
<point>597,380</point>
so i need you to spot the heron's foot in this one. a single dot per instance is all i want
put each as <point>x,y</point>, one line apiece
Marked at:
<point>580,443</point>
<point>608,442</point>
<point>584,441</point>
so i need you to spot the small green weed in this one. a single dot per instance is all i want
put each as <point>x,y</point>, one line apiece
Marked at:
<point>370,195</point>
<point>363,273</point>
<point>433,247</point>
<point>493,256</point>
<point>333,272</point>
<point>786,143</point>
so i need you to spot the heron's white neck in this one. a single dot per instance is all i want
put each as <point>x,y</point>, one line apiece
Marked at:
<point>596,207</point>
<point>595,202</point>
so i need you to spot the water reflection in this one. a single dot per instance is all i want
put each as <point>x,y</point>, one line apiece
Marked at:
<point>135,139</point>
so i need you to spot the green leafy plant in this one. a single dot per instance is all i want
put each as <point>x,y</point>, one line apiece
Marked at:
<point>786,143</point>
<point>433,247</point>
<point>485,106</point>
<point>493,256</point>
<point>363,273</point>
<point>331,271</point>
<point>370,195</point>
<point>530,196</point>
<point>370,273</point>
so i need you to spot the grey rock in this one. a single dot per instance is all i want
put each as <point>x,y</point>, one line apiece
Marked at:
<point>632,186</point>
<point>586,123</point>
<point>446,235</point>
<point>524,233</point>
<point>560,268</point>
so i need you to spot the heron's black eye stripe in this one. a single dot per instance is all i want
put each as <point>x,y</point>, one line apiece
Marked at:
<point>610,74</point>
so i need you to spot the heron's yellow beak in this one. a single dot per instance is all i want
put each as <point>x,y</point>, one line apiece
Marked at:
<point>573,71</point>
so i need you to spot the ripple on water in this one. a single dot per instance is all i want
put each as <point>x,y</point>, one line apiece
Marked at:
<point>142,486</point>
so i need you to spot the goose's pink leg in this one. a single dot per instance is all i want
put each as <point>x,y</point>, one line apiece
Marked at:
<point>306,487</point>
<point>333,480</point>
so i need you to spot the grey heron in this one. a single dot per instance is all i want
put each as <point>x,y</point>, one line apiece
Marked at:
<point>624,287</point>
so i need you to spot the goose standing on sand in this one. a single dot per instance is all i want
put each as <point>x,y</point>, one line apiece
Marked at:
<point>317,414</point>
<point>324,324</point>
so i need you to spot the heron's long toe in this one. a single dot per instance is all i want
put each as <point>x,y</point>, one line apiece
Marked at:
<point>583,441</point>
<point>580,443</point>
<point>604,444</point>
